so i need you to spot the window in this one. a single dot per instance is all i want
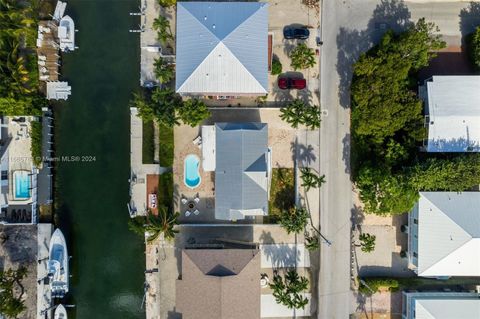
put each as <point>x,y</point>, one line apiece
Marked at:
<point>415,221</point>
<point>4,175</point>
<point>415,254</point>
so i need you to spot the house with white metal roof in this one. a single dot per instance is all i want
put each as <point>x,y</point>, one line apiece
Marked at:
<point>441,305</point>
<point>444,234</point>
<point>242,170</point>
<point>452,109</point>
<point>222,48</point>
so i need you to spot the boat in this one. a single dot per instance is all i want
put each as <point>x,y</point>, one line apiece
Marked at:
<point>58,265</point>
<point>66,34</point>
<point>60,312</point>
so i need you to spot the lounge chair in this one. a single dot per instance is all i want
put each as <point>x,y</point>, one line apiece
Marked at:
<point>196,212</point>
<point>184,200</point>
<point>188,213</point>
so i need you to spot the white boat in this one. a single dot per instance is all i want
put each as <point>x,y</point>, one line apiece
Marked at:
<point>60,312</point>
<point>66,34</point>
<point>58,265</point>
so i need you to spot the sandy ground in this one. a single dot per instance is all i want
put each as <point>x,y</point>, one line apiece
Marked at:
<point>18,246</point>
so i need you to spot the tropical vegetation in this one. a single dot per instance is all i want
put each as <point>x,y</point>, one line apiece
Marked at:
<point>294,220</point>
<point>387,126</point>
<point>298,113</point>
<point>312,242</point>
<point>167,108</point>
<point>367,242</point>
<point>302,57</point>
<point>152,226</point>
<point>310,179</point>
<point>167,3</point>
<point>371,285</point>
<point>19,93</point>
<point>288,290</point>
<point>11,303</point>
<point>164,71</point>
<point>164,31</point>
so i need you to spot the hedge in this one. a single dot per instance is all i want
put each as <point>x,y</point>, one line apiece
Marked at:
<point>375,283</point>
<point>166,146</point>
<point>36,147</point>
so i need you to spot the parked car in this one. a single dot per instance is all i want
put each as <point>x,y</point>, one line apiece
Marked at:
<point>286,83</point>
<point>301,33</point>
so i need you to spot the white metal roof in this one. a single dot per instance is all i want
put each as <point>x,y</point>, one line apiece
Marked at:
<point>222,48</point>
<point>442,305</point>
<point>453,106</point>
<point>449,234</point>
<point>57,90</point>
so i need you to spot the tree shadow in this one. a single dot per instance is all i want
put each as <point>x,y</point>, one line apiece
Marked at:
<point>357,217</point>
<point>346,152</point>
<point>304,154</point>
<point>469,19</point>
<point>388,15</point>
<point>279,256</point>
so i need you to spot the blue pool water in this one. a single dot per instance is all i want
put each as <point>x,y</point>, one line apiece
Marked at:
<point>22,184</point>
<point>192,174</point>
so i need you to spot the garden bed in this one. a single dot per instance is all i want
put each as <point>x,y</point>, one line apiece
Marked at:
<point>166,146</point>
<point>148,142</point>
<point>282,191</point>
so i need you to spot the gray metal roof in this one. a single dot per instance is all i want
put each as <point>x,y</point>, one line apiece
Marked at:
<point>222,48</point>
<point>241,169</point>
<point>449,234</point>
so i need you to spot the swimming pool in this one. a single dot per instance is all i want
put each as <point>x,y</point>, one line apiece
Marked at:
<point>192,171</point>
<point>22,183</point>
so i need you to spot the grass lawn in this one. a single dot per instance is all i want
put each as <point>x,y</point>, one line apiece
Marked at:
<point>282,191</point>
<point>165,190</point>
<point>148,146</point>
<point>166,146</point>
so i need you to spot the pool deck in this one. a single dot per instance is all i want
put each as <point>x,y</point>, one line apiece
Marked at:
<point>139,171</point>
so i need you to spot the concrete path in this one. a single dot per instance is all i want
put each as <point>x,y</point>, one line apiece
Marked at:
<point>284,256</point>
<point>271,309</point>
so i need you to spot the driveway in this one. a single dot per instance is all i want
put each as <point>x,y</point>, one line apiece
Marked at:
<point>349,28</point>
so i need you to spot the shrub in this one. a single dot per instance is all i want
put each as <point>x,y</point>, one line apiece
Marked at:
<point>165,190</point>
<point>276,66</point>
<point>375,283</point>
<point>367,242</point>
<point>282,191</point>
<point>36,147</point>
<point>294,220</point>
<point>148,142</point>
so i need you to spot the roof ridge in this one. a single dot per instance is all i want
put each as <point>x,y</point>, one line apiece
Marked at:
<point>449,254</point>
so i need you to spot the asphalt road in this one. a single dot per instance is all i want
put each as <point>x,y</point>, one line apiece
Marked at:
<point>350,27</point>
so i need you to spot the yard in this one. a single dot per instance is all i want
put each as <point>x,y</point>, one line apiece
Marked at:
<point>282,191</point>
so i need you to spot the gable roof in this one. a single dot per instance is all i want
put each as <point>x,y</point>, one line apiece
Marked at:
<point>449,234</point>
<point>222,48</point>
<point>241,181</point>
<point>219,283</point>
<point>453,106</point>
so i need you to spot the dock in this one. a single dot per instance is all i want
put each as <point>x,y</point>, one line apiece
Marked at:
<point>48,52</point>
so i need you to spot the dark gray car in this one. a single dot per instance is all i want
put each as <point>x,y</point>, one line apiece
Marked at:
<point>301,33</point>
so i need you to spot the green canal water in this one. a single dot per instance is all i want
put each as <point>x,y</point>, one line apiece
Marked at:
<point>108,260</point>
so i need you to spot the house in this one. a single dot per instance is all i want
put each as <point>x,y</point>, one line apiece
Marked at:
<point>441,305</point>
<point>444,234</point>
<point>18,184</point>
<point>219,283</point>
<point>452,109</point>
<point>222,49</point>
<point>241,159</point>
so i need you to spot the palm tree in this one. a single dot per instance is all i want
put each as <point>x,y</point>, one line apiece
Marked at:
<point>164,72</point>
<point>311,242</point>
<point>310,179</point>
<point>287,291</point>
<point>302,57</point>
<point>367,242</point>
<point>162,26</point>
<point>294,220</point>
<point>163,223</point>
<point>312,117</point>
<point>292,113</point>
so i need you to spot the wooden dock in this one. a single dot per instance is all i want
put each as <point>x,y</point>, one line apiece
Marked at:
<point>48,52</point>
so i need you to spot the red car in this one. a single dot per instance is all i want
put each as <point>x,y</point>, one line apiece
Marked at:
<point>292,83</point>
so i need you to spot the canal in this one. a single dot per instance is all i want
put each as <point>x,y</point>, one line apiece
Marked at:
<point>92,192</point>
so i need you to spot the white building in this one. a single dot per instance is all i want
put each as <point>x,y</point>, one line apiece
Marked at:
<point>452,108</point>
<point>222,48</point>
<point>441,305</point>
<point>444,234</point>
<point>18,184</point>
